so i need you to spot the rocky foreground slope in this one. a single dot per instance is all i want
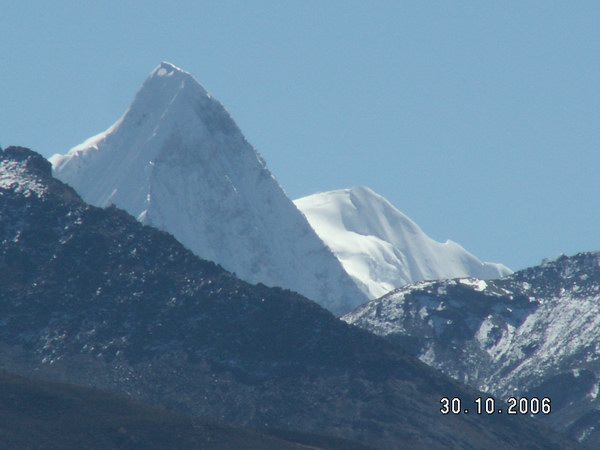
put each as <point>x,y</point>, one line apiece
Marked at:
<point>92,296</point>
<point>41,415</point>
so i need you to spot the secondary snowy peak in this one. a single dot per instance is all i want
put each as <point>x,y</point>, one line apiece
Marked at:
<point>380,247</point>
<point>177,160</point>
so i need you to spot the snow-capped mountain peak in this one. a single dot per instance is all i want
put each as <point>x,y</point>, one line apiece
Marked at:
<point>365,212</point>
<point>380,247</point>
<point>170,104</point>
<point>167,69</point>
<point>177,160</point>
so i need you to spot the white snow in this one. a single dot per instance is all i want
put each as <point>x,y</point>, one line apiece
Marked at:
<point>476,284</point>
<point>15,176</point>
<point>177,160</point>
<point>383,249</point>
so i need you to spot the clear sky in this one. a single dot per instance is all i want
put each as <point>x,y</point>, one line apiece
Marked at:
<point>479,120</point>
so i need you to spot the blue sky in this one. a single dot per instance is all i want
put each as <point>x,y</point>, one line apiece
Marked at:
<point>479,120</point>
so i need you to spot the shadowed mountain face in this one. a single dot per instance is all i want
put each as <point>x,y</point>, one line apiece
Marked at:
<point>44,415</point>
<point>533,333</point>
<point>92,296</point>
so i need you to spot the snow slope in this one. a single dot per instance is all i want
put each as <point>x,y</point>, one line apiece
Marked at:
<point>177,161</point>
<point>381,248</point>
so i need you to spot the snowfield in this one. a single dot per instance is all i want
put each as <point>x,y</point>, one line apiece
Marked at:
<point>381,248</point>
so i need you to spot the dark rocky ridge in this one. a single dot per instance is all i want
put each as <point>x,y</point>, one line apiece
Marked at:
<point>44,415</point>
<point>533,333</point>
<point>33,162</point>
<point>93,297</point>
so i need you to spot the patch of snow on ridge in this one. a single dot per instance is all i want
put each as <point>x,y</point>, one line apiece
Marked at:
<point>478,285</point>
<point>593,394</point>
<point>14,176</point>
